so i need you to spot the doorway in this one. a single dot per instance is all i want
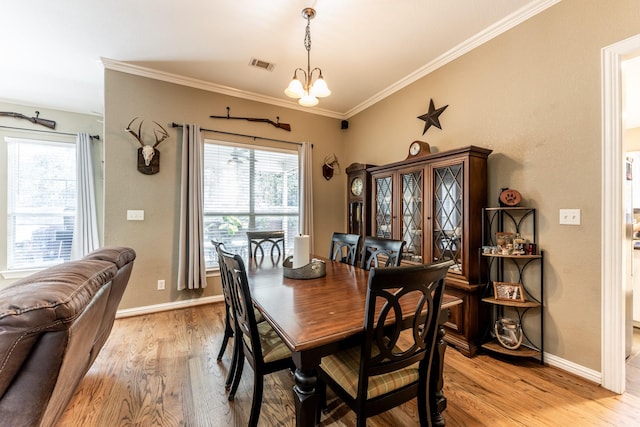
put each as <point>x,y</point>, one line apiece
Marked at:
<point>614,275</point>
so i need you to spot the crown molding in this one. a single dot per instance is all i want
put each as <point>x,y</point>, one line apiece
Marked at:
<point>138,70</point>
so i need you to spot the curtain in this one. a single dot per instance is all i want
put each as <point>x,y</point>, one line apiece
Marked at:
<point>191,264</point>
<point>306,209</point>
<point>85,230</point>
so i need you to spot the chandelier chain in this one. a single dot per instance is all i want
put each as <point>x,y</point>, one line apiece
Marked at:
<point>307,36</point>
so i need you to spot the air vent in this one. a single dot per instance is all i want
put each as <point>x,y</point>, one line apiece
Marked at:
<point>258,63</point>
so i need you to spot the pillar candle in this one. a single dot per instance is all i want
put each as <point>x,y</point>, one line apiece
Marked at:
<point>300,251</point>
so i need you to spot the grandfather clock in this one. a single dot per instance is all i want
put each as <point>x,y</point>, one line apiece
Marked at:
<point>358,199</point>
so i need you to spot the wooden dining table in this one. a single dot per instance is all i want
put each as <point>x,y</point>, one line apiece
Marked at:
<point>315,317</point>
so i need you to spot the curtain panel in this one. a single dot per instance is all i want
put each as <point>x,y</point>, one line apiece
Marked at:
<point>85,230</point>
<point>191,260</point>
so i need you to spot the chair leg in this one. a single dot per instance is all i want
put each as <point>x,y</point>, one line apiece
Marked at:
<point>228,332</point>
<point>236,359</point>
<point>424,408</point>
<point>237,375</point>
<point>258,384</point>
<point>321,389</point>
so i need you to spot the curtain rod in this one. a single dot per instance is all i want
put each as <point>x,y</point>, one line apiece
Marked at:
<point>176,125</point>
<point>47,131</point>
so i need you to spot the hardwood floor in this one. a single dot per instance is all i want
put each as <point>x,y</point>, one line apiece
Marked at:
<point>161,370</point>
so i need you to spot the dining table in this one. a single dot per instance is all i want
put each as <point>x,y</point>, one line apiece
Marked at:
<point>318,316</point>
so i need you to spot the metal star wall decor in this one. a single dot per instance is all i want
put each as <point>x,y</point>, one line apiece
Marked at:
<point>432,117</point>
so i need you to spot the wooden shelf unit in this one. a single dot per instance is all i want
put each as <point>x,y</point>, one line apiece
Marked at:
<point>513,219</point>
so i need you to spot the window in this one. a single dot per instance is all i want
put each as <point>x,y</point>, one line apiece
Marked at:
<point>41,202</point>
<point>248,188</point>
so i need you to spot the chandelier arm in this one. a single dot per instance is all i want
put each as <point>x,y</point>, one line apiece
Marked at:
<point>295,73</point>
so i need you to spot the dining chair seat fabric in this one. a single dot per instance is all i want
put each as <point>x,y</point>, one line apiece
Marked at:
<point>345,248</point>
<point>344,367</point>
<point>266,245</point>
<point>392,364</point>
<point>377,251</point>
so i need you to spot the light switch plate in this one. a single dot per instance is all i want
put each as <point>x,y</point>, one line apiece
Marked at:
<point>570,216</point>
<point>134,215</point>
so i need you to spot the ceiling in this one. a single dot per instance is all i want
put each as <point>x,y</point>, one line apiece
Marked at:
<point>53,53</point>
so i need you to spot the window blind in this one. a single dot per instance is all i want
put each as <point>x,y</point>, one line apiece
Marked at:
<point>248,188</point>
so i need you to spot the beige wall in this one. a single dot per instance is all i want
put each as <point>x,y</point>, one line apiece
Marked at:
<point>532,95</point>
<point>154,239</point>
<point>66,122</point>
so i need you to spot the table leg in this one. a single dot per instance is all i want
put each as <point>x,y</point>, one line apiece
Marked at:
<point>437,401</point>
<point>304,394</point>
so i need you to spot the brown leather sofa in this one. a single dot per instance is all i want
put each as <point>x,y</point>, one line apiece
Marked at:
<point>52,327</point>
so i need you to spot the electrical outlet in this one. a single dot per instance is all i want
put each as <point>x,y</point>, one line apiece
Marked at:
<point>160,285</point>
<point>570,216</point>
<point>135,215</point>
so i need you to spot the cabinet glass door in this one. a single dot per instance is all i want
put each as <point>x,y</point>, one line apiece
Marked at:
<point>383,207</point>
<point>448,214</point>
<point>411,210</point>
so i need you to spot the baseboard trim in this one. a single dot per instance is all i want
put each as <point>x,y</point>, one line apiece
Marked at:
<point>138,311</point>
<point>573,368</point>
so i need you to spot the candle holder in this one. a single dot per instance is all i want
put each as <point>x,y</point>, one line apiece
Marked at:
<point>316,268</point>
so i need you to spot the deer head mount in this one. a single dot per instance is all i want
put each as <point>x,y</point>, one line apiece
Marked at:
<point>328,166</point>
<point>148,155</point>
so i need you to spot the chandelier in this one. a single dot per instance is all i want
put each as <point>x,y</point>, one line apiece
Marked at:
<point>307,90</point>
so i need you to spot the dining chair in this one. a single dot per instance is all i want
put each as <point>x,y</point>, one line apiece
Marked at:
<point>261,243</point>
<point>378,249</point>
<point>392,365</point>
<point>230,322</point>
<point>345,247</point>
<point>261,345</point>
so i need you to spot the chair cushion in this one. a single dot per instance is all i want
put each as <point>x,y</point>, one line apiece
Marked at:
<point>343,367</point>
<point>258,314</point>
<point>272,346</point>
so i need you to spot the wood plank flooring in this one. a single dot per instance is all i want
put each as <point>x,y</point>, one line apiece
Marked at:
<point>161,370</point>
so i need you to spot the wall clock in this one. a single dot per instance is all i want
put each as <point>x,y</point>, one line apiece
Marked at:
<point>418,148</point>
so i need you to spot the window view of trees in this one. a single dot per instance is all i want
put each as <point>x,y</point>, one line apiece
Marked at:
<point>248,189</point>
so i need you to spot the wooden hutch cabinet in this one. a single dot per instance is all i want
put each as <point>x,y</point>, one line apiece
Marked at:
<point>433,203</point>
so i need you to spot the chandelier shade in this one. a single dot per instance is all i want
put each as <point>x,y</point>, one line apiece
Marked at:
<point>302,85</point>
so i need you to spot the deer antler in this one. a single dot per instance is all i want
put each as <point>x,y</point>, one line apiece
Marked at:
<point>162,133</point>
<point>138,135</point>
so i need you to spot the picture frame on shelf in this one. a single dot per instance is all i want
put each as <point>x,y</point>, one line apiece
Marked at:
<point>507,291</point>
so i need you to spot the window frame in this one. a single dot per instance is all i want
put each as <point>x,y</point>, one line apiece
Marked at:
<point>49,140</point>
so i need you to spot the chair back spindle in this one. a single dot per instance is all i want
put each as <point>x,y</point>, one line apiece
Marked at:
<point>376,250</point>
<point>345,248</point>
<point>266,243</point>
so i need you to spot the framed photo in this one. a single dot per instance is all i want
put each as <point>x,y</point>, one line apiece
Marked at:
<point>508,291</point>
<point>503,239</point>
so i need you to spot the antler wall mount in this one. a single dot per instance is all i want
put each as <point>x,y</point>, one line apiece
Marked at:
<point>329,164</point>
<point>148,155</point>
